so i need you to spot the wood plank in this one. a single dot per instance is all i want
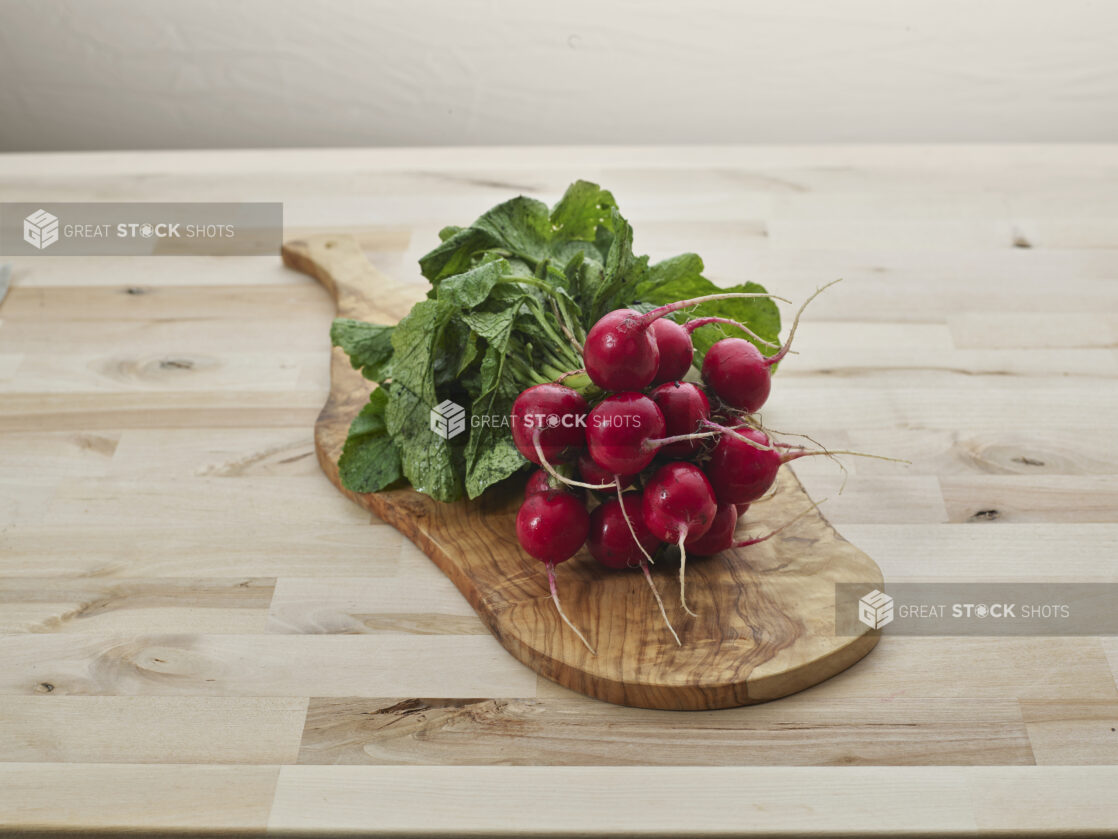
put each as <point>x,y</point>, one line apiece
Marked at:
<point>234,550</point>
<point>108,410</point>
<point>98,605</point>
<point>298,331</point>
<point>1072,732</point>
<point>1033,330</point>
<point>160,454</point>
<point>145,303</point>
<point>844,366</point>
<point>143,729</point>
<point>991,551</point>
<point>875,499</point>
<point>355,605</point>
<point>176,372</point>
<point>703,801</point>
<point>44,797</point>
<point>24,500</point>
<point>1051,799</point>
<point>976,668</point>
<point>563,728</point>
<point>64,454</point>
<point>1050,498</point>
<point>260,665</point>
<point>201,501</point>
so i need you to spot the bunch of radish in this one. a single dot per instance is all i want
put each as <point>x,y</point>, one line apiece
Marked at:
<point>669,461</point>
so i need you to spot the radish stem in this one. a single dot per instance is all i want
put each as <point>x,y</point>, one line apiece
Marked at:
<point>646,319</point>
<point>692,325</point>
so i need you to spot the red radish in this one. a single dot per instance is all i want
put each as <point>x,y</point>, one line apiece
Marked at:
<point>592,473</point>
<point>674,344</point>
<point>618,429</point>
<point>619,539</point>
<point>552,526</point>
<point>541,481</point>
<point>737,372</point>
<point>625,431</point>
<point>551,418</point>
<point>612,540</point>
<point>719,537</point>
<point>679,502</point>
<point>743,465</point>
<point>620,351</point>
<point>684,406</point>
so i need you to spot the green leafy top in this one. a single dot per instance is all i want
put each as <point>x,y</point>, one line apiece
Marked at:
<point>511,298</point>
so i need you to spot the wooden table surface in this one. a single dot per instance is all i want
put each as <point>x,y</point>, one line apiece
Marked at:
<point>200,633</point>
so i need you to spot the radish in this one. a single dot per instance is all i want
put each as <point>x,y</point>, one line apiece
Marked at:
<point>592,473</point>
<point>625,431</point>
<point>685,406</point>
<point>541,481</point>
<point>551,527</point>
<point>743,465</point>
<point>550,418</point>
<point>620,351</point>
<point>616,542</point>
<point>676,351</point>
<point>720,535</point>
<point>619,539</point>
<point>737,372</point>
<point>618,432</point>
<point>679,502</point>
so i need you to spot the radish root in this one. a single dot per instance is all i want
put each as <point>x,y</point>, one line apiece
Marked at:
<point>660,602</point>
<point>551,469</point>
<point>562,614</point>
<point>683,574</point>
<point>773,359</point>
<point>628,521</point>
<point>745,543</point>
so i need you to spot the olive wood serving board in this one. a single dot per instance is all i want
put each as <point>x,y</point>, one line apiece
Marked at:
<point>766,613</point>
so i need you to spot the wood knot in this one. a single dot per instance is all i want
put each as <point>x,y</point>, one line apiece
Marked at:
<point>986,515</point>
<point>135,289</point>
<point>176,364</point>
<point>44,687</point>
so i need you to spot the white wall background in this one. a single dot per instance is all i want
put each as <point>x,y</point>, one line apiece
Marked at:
<point>115,74</point>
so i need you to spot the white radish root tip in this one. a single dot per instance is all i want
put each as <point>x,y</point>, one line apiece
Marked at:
<point>683,574</point>
<point>745,543</point>
<point>773,359</point>
<point>660,603</point>
<point>562,614</point>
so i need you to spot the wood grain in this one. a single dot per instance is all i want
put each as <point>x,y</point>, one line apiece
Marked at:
<point>767,625</point>
<point>97,561</point>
